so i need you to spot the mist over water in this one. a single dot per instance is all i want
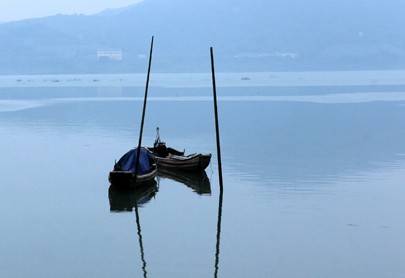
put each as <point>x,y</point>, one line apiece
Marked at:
<point>312,174</point>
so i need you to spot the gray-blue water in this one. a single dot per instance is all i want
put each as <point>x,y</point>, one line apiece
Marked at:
<point>313,183</point>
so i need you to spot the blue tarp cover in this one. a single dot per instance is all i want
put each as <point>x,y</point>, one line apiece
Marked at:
<point>127,162</point>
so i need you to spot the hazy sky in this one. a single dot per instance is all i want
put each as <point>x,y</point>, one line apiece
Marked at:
<point>20,9</point>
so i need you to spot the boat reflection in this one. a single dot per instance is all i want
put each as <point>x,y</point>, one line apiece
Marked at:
<point>197,181</point>
<point>127,199</point>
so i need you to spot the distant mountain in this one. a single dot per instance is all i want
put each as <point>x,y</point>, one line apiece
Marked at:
<point>254,35</point>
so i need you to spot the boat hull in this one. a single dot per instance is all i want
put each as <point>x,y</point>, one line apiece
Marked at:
<point>193,163</point>
<point>128,179</point>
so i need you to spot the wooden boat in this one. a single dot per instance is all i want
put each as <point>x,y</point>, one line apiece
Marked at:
<point>192,162</point>
<point>197,181</point>
<point>125,199</point>
<point>177,160</point>
<point>123,173</point>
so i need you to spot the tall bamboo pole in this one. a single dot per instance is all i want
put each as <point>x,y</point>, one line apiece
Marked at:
<point>221,185</point>
<point>143,111</point>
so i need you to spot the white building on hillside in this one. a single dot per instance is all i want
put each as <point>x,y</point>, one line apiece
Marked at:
<point>110,55</point>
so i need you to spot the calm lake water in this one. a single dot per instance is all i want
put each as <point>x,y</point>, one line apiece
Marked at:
<point>313,183</point>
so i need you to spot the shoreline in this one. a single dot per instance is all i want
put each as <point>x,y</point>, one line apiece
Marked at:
<point>202,80</point>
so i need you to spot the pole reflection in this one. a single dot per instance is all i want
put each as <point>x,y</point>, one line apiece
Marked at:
<point>219,225</point>
<point>138,224</point>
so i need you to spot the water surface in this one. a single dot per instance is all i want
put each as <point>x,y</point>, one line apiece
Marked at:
<point>313,183</point>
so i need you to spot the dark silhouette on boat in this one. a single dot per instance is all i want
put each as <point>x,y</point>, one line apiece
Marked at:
<point>169,158</point>
<point>197,181</point>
